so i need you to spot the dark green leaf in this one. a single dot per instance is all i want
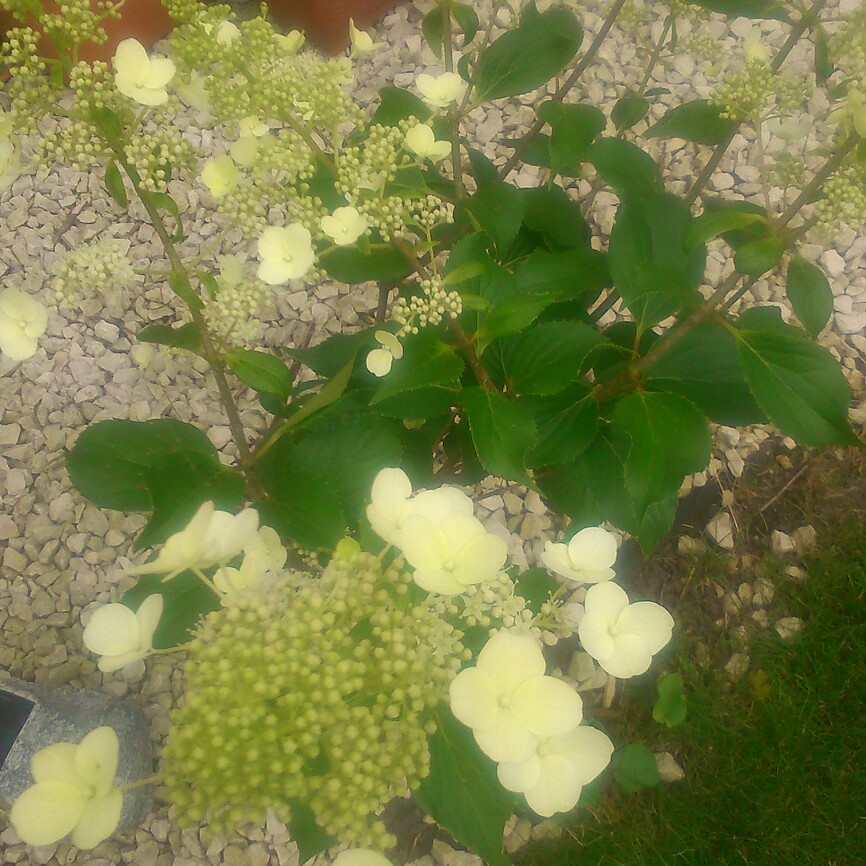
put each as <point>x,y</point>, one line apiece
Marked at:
<point>824,67</point>
<point>712,223</point>
<point>426,361</point>
<point>463,273</point>
<point>261,371</point>
<point>657,91</point>
<point>502,433</point>
<point>573,128</point>
<point>109,463</point>
<point>185,337</point>
<point>625,167</point>
<point>758,257</point>
<point>396,104</point>
<point>670,708</point>
<point>164,201</point>
<point>462,792</point>
<point>536,586</point>
<point>669,440</point>
<point>550,212</point>
<point>796,382</point>
<point>498,210</point>
<point>433,29</point>
<point>467,19</point>
<point>331,355</point>
<point>382,263</point>
<point>699,121</point>
<point>629,110</point>
<point>114,183</point>
<point>566,423</point>
<point>422,403</point>
<point>570,274</point>
<point>634,767</point>
<point>747,8</point>
<point>186,599</point>
<point>529,56</point>
<point>810,295</point>
<point>310,838</point>
<point>483,170</point>
<point>108,123</point>
<point>180,285</point>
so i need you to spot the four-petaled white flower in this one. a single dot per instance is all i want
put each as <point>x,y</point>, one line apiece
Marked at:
<point>290,43</point>
<point>219,175</point>
<point>362,43</point>
<point>379,361</point>
<point>194,92</point>
<point>22,321</point>
<point>853,112</point>
<point>552,778</point>
<point>442,90</point>
<point>74,793</point>
<point>120,636</point>
<point>622,637</point>
<point>361,857</point>
<point>264,555</point>
<point>508,701</point>
<point>286,253</point>
<point>344,226</point>
<point>753,48</point>
<point>587,558</point>
<point>253,126</point>
<point>422,142</point>
<point>210,538</point>
<point>139,76</point>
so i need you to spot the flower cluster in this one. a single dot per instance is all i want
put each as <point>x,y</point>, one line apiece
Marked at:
<point>22,321</point>
<point>847,46</point>
<point>98,269</point>
<point>529,724</point>
<point>433,305</point>
<point>843,199</point>
<point>319,690</point>
<point>232,315</point>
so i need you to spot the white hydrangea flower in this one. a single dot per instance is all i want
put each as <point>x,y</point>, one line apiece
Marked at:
<point>139,76</point>
<point>422,142</point>
<point>344,226</point>
<point>587,558</point>
<point>379,361</point>
<point>361,857</point>
<point>253,126</point>
<point>552,777</point>
<point>508,701</point>
<point>853,112</point>
<point>194,92</point>
<point>622,637</point>
<point>220,175</point>
<point>753,48</point>
<point>120,636</point>
<point>74,793</point>
<point>441,91</point>
<point>22,321</point>
<point>362,43</point>
<point>286,253</point>
<point>227,33</point>
<point>292,42</point>
<point>264,556</point>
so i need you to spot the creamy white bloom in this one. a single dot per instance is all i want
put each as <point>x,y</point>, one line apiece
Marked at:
<point>22,321</point>
<point>253,126</point>
<point>264,556</point>
<point>290,43</point>
<point>344,226</point>
<point>508,701</point>
<point>194,92</point>
<point>442,90</point>
<point>587,558</point>
<point>286,253</point>
<point>362,43</point>
<point>74,793</point>
<point>361,857</point>
<point>120,636</point>
<point>622,637</point>
<point>139,76</point>
<point>219,175</point>
<point>552,777</point>
<point>753,48</point>
<point>227,33</point>
<point>422,142</point>
<point>379,361</point>
<point>853,112</point>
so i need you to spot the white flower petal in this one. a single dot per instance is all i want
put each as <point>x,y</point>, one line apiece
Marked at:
<point>473,699</point>
<point>555,557</point>
<point>506,740</point>
<point>46,812</point>
<point>56,763</point>
<point>592,549</point>
<point>159,74</point>
<point>98,821</point>
<point>510,659</point>
<point>649,621</point>
<point>519,777</point>
<point>438,580</point>
<point>96,759</point>
<point>131,60</point>
<point>586,747</point>
<point>379,362</point>
<point>606,601</point>
<point>424,544</point>
<point>557,789</point>
<point>113,629</point>
<point>547,706</point>
<point>481,558</point>
<point>595,637</point>
<point>148,616</point>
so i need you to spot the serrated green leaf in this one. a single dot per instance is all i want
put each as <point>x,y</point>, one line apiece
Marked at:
<point>433,29</point>
<point>625,167</point>
<point>550,212</point>
<point>498,210</point>
<point>108,123</point>
<point>713,223</point>
<point>464,272</point>
<point>809,292</point>
<point>699,121</point>
<point>566,423</point>
<point>629,110</point>
<point>482,168</point>
<point>350,265</point>
<point>331,355</point>
<point>670,707</point>
<point>824,67</point>
<point>573,128</point>
<point>747,8</point>
<point>426,361</point>
<point>396,104</point>
<point>164,201</point>
<point>634,768</point>
<point>114,184</point>
<point>310,838</point>
<point>536,586</point>
<point>261,371</point>
<point>759,256</point>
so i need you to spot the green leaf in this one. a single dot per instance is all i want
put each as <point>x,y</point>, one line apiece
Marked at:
<point>114,184</point>
<point>331,392</point>
<point>261,371</point>
<point>396,104</point>
<point>550,212</point>
<point>310,838</point>
<point>566,423</point>
<point>426,361</point>
<point>545,358</point>
<point>185,337</point>
<point>180,285</point>
<point>625,167</point>
<point>331,355</point>
<point>699,121</point>
<point>758,257</point>
<point>796,382</point>
<point>110,462</point>
<point>634,768</point>
<point>570,274</point>
<point>536,586</point>
<point>502,432</point>
<point>422,403</point>
<point>482,168</point>
<point>670,708</point>
<point>381,264</point>
<point>498,210</point>
<point>629,110</point>
<point>462,791</point>
<point>178,483</point>
<point>467,19</point>
<point>108,123</point>
<point>529,56</point>
<point>433,29</point>
<point>573,129</point>
<point>669,440</point>
<point>186,600</point>
<point>712,223</point>
<point>167,203</point>
<point>704,367</point>
<point>463,272</point>
<point>810,295</point>
<point>746,8</point>
<point>824,67</point>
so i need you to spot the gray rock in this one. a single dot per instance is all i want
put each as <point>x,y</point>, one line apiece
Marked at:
<point>669,769</point>
<point>721,530</point>
<point>781,542</point>
<point>67,716</point>
<point>788,627</point>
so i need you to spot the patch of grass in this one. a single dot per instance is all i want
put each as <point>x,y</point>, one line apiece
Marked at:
<point>775,765</point>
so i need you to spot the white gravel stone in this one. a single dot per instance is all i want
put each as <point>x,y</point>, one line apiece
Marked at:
<point>721,530</point>
<point>669,769</point>
<point>781,542</point>
<point>788,627</point>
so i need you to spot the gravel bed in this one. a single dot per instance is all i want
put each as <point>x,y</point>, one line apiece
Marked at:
<point>60,557</point>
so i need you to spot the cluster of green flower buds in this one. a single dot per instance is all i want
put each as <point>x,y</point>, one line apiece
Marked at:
<point>433,305</point>
<point>99,269</point>
<point>317,690</point>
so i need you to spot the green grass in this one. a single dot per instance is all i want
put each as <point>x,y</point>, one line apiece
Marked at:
<point>776,767</point>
